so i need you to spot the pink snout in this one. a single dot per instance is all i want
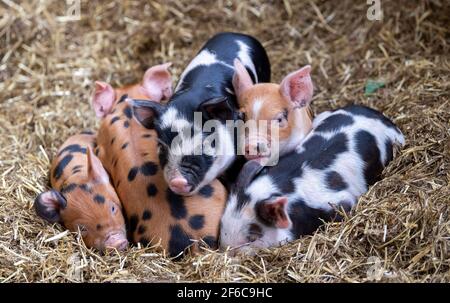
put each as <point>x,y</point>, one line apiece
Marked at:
<point>179,185</point>
<point>116,241</point>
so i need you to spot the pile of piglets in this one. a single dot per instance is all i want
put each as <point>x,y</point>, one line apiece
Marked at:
<point>165,168</point>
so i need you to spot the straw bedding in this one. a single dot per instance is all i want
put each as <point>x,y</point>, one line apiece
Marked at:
<point>400,229</point>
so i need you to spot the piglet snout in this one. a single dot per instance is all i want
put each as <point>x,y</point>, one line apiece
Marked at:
<point>116,240</point>
<point>179,185</point>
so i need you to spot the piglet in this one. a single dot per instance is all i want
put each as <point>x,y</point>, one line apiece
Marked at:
<point>193,155</point>
<point>82,197</point>
<point>154,213</point>
<point>345,152</point>
<point>286,105</point>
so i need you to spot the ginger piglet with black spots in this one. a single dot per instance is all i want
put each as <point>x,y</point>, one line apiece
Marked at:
<point>82,198</point>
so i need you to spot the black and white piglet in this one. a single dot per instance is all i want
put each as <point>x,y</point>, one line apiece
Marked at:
<point>345,152</point>
<point>205,87</point>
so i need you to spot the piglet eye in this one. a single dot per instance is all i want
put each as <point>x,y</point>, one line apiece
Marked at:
<point>113,209</point>
<point>252,238</point>
<point>254,232</point>
<point>282,119</point>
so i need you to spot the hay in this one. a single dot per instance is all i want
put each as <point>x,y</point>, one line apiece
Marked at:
<point>400,230</point>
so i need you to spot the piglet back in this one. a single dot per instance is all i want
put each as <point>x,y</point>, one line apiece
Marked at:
<point>370,136</point>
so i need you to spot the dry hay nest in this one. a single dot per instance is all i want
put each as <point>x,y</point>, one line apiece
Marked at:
<point>398,232</point>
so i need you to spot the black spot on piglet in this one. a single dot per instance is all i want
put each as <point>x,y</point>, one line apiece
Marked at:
<point>99,199</point>
<point>328,151</point>
<point>114,120</point>
<point>123,98</point>
<point>127,112</point>
<point>149,168</point>
<point>305,219</point>
<point>176,202</point>
<point>73,148</point>
<point>366,147</point>
<point>141,229</point>
<point>210,241</point>
<point>335,181</point>
<point>85,188</point>
<point>152,190</point>
<point>59,169</point>
<point>179,240</point>
<point>146,215</point>
<point>389,151</point>
<point>76,168</point>
<point>68,188</point>
<point>133,223</point>
<point>334,123</point>
<point>370,113</point>
<point>132,173</point>
<point>197,222</point>
<point>206,191</point>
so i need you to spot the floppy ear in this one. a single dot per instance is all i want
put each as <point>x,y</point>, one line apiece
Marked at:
<point>218,109</point>
<point>103,98</point>
<point>49,204</point>
<point>241,79</point>
<point>247,174</point>
<point>95,170</point>
<point>274,213</point>
<point>146,112</point>
<point>297,87</point>
<point>157,82</point>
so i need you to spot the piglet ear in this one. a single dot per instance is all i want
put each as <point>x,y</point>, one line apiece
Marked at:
<point>248,173</point>
<point>95,170</point>
<point>103,98</point>
<point>218,109</point>
<point>241,79</point>
<point>146,112</point>
<point>274,213</point>
<point>49,204</point>
<point>297,87</point>
<point>157,82</point>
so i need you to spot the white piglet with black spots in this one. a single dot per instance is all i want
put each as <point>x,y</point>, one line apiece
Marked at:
<point>345,152</point>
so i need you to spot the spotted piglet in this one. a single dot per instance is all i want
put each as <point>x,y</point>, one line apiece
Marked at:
<point>129,151</point>
<point>82,197</point>
<point>286,105</point>
<point>198,145</point>
<point>345,152</point>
